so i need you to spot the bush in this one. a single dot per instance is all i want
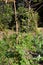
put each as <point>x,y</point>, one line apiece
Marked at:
<point>6,13</point>
<point>28,19</point>
<point>29,51</point>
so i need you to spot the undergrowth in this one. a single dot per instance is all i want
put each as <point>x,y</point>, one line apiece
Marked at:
<point>28,51</point>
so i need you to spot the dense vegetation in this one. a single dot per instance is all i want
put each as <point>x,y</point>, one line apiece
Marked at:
<point>28,51</point>
<point>26,18</point>
<point>25,46</point>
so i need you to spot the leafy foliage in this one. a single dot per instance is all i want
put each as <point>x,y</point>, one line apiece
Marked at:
<point>29,50</point>
<point>22,53</point>
<point>6,13</point>
<point>28,19</point>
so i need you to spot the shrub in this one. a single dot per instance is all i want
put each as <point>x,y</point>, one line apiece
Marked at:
<point>28,51</point>
<point>28,19</point>
<point>6,13</point>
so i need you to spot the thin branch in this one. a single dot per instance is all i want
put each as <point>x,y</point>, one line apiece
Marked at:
<point>35,5</point>
<point>39,8</point>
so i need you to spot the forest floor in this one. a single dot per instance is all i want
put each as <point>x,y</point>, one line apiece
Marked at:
<point>10,32</point>
<point>41,29</point>
<point>6,32</point>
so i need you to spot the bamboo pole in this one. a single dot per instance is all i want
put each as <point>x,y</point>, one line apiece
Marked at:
<point>16,20</point>
<point>6,1</point>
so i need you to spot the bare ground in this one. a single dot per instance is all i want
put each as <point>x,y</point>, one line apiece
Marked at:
<point>10,32</point>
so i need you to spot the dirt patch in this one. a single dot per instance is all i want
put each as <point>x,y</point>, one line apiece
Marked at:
<point>6,32</point>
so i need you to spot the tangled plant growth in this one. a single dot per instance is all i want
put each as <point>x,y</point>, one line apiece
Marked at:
<point>28,51</point>
<point>6,13</point>
<point>28,19</point>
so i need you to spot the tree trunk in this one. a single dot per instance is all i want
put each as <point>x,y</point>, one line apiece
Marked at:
<point>16,20</point>
<point>29,5</point>
<point>6,1</point>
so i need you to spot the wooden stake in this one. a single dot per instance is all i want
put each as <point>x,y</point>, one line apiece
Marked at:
<point>16,20</point>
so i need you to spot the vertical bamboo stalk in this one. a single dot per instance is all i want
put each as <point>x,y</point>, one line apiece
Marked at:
<point>29,8</point>
<point>6,1</point>
<point>29,5</point>
<point>16,20</point>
